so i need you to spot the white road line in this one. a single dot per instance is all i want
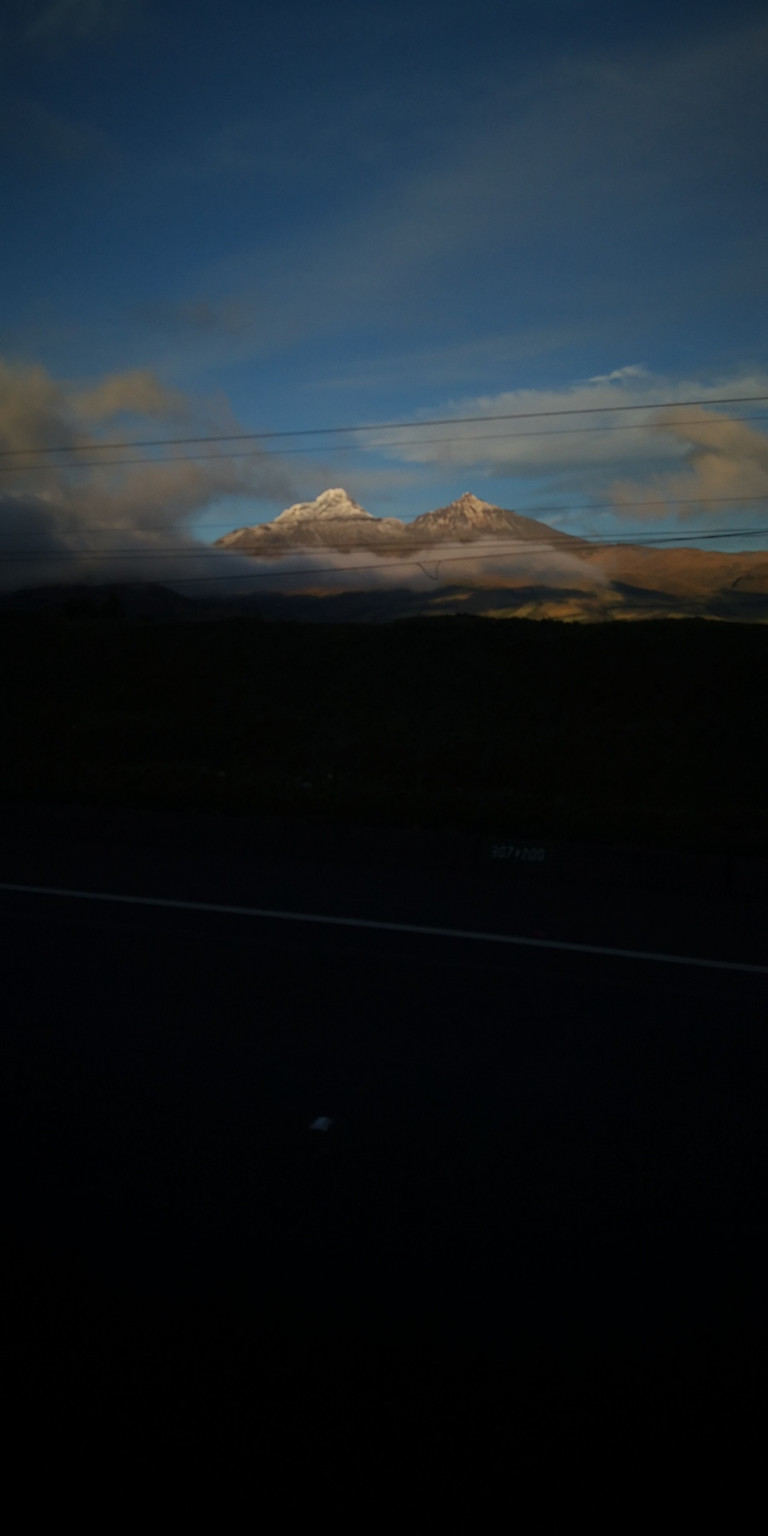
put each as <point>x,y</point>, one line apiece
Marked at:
<point>367,922</point>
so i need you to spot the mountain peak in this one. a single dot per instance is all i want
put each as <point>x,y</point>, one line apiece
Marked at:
<point>334,521</point>
<point>329,505</point>
<point>467,511</point>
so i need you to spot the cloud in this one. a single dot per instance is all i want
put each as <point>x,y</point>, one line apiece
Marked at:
<point>324,573</point>
<point>90,516</point>
<point>631,371</point>
<point>138,392</point>
<point>726,462</point>
<point>93,517</point>
<point>581,453</point>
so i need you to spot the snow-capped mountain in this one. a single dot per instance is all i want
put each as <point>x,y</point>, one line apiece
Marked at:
<point>335,521</point>
<point>326,507</point>
<point>469,518</point>
<point>332,521</point>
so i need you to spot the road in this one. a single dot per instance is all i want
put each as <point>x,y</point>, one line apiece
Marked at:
<point>538,1210</point>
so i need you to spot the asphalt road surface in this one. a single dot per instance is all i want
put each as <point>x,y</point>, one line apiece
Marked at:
<point>530,1224</point>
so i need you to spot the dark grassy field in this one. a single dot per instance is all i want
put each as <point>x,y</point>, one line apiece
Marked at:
<point>654,732</point>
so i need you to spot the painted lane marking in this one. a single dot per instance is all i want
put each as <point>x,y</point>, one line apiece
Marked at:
<point>366,922</point>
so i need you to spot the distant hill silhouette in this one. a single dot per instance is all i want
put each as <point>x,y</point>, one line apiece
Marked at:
<point>100,600</point>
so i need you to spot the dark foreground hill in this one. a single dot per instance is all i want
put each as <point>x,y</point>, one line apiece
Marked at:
<point>653,732</point>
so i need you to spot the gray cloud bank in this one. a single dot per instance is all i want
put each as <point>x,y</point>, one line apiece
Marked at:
<point>69,517</point>
<point>319,574</point>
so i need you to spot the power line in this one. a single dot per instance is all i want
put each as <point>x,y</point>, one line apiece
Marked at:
<point>491,549</point>
<point>173,551</point>
<point>532,515</point>
<point>325,570</point>
<point>464,437</point>
<point>387,426</point>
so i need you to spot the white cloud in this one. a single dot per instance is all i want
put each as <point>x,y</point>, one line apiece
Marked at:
<point>631,371</point>
<point>702,448</point>
<point>323,573</point>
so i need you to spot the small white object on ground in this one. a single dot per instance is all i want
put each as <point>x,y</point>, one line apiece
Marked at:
<point>322,1123</point>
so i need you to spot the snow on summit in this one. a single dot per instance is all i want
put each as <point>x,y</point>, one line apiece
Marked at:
<point>328,505</point>
<point>334,521</point>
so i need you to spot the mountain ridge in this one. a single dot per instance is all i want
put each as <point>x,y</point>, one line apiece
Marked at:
<point>334,521</point>
<point>518,567</point>
<point>596,581</point>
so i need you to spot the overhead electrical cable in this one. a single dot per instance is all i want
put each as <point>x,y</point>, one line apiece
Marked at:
<point>532,514</point>
<point>260,453</point>
<point>385,426</point>
<point>419,556</point>
<point>491,545</point>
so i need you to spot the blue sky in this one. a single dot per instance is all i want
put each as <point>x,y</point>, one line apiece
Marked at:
<point>304,216</point>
